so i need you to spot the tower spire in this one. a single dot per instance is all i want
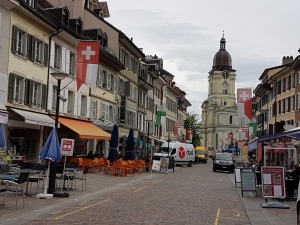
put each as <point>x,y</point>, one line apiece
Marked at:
<point>222,43</point>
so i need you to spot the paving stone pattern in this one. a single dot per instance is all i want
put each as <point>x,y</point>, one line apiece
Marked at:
<point>193,195</point>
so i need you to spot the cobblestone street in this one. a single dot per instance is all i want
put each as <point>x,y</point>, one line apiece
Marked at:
<point>193,195</point>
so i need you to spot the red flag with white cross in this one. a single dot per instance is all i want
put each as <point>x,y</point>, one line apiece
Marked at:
<point>243,94</point>
<point>87,63</point>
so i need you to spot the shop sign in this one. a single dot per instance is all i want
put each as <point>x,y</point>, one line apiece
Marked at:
<point>123,109</point>
<point>4,118</point>
<point>67,147</point>
<point>273,182</point>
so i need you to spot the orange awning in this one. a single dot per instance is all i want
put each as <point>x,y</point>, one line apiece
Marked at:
<point>241,143</point>
<point>86,130</point>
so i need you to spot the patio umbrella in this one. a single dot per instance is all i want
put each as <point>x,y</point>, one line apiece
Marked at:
<point>2,137</point>
<point>129,146</point>
<point>50,151</point>
<point>114,140</point>
<point>137,146</point>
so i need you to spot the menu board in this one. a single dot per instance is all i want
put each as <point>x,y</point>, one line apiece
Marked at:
<point>248,182</point>
<point>156,165</point>
<point>273,182</point>
<point>237,173</point>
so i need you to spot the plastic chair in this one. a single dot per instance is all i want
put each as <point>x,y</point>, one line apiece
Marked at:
<point>129,167</point>
<point>81,176</point>
<point>96,165</point>
<point>36,178</point>
<point>20,181</point>
<point>89,163</point>
<point>80,164</point>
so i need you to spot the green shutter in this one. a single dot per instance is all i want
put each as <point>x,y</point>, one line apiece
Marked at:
<point>33,49</point>
<point>14,39</point>
<point>44,96</point>
<point>30,96</point>
<point>46,54</point>
<point>11,84</point>
<point>29,44</point>
<point>26,93</point>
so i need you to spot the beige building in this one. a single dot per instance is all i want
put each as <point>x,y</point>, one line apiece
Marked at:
<point>219,112</point>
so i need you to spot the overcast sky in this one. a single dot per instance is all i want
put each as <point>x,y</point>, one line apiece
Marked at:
<point>186,34</point>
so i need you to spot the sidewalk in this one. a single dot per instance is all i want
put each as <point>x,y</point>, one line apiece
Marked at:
<point>265,216</point>
<point>98,184</point>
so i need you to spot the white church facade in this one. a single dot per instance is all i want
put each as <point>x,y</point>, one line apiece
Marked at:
<point>220,127</point>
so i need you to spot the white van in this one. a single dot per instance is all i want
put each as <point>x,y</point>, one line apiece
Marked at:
<point>184,154</point>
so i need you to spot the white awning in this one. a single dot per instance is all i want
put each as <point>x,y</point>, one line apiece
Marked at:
<point>36,118</point>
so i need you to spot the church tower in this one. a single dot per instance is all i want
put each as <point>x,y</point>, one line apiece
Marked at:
<point>219,112</point>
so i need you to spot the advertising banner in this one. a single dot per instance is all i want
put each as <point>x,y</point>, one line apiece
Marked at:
<point>273,182</point>
<point>67,147</point>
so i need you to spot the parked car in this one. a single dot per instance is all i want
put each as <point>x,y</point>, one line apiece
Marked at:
<point>223,161</point>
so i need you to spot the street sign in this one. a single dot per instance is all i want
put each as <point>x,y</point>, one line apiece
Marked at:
<point>67,147</point>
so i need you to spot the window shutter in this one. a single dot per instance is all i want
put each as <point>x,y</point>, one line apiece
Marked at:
<point>114,115</point>
<point>11,83</point>
<point>79,105</point>
<point>50,92</point>
<point>44,96</point>
<point>67,70</point>
<point>66,102</point>
<point>14,39</point>
<point>63,60</point>
<point>52,49</point>
<point>98,77</point>
<point>108,81</point>
<point>101,77</point>
<point>75,103</point>
<point>119,86</point>
<point>28,92</point>
<point>61,103</point>
<point>127,88</point>
<point>33,39</point>
<point>107,112</point>
<point>88,107</point>
<point>46,54</point>
<point>103,108</point>
<point>29,46</point>
<point>115,84</point>
<point>2,89</point>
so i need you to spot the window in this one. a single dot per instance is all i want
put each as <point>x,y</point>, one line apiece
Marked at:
<point>94,109</point>
<point>83,105</point>
<point>57,53</point>
<point>230,119</point>
<point>54,98</point>
<point>35,94</point>
<point>38,51</point>
<point>70,107</point>
<point>225,87</point>
<point>72,64</point>
<point>16,89</point>
<point>19,40</point>
<point>105,111</point>
<point>31,3</point>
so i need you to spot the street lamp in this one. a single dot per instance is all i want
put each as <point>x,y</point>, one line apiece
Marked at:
<point>59,77</point>
<point>168,144</point>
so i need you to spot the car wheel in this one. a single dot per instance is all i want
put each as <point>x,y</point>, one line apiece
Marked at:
<point>190,164</point>
<point>214,169</point>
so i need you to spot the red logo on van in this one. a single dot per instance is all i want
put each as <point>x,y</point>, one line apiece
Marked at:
<point>181,152</point>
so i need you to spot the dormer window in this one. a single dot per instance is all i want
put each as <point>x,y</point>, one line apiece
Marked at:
<point>31,3</point>
<point>78,26</point>
<point>65,17</point>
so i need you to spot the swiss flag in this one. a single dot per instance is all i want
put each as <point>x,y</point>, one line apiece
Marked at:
<point>243,94</point>
<point>87,63</point>
<point>248,108</point>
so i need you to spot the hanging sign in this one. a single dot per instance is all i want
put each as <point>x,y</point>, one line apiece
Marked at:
<point>67,147</point>
<point>273,182</point>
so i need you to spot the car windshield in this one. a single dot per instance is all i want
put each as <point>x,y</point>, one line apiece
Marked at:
<point>223,157</point>
<point>200,152</point>
<point>163,150</point>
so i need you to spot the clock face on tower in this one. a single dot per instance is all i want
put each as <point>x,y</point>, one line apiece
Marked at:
<point>225,74</point>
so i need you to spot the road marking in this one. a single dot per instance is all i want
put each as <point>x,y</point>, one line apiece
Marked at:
<point>217,217</point>
<point>67,214</point>
<point>56,212</point>
<point>156,182</point>
<point>140,189</point>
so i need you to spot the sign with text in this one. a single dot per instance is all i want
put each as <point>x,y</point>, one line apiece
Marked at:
<point>156,165</point>
<point>237,173</point>
<point>248,182</point>
<point>67,147</point>
<point>273,182</point>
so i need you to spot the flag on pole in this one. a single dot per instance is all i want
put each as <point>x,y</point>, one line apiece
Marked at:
<point>252,128</point>
<point>248,108</point>
<point>159,115</point>
<point>240,110</point>
<point>243,94</point>
<point>87,63</point>
<point>245,129</point>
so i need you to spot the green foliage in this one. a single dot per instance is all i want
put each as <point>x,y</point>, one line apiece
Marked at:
<point>194,123</point>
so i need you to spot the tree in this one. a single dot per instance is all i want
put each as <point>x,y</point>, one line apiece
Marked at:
<point>194,122</point>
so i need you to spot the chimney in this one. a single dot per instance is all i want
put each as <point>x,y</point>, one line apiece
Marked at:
<point>287,60</point>
<point>131,39</point>
<point>173,83</point>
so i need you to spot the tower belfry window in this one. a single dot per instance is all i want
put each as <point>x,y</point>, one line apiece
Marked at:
<point>225,87</point>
